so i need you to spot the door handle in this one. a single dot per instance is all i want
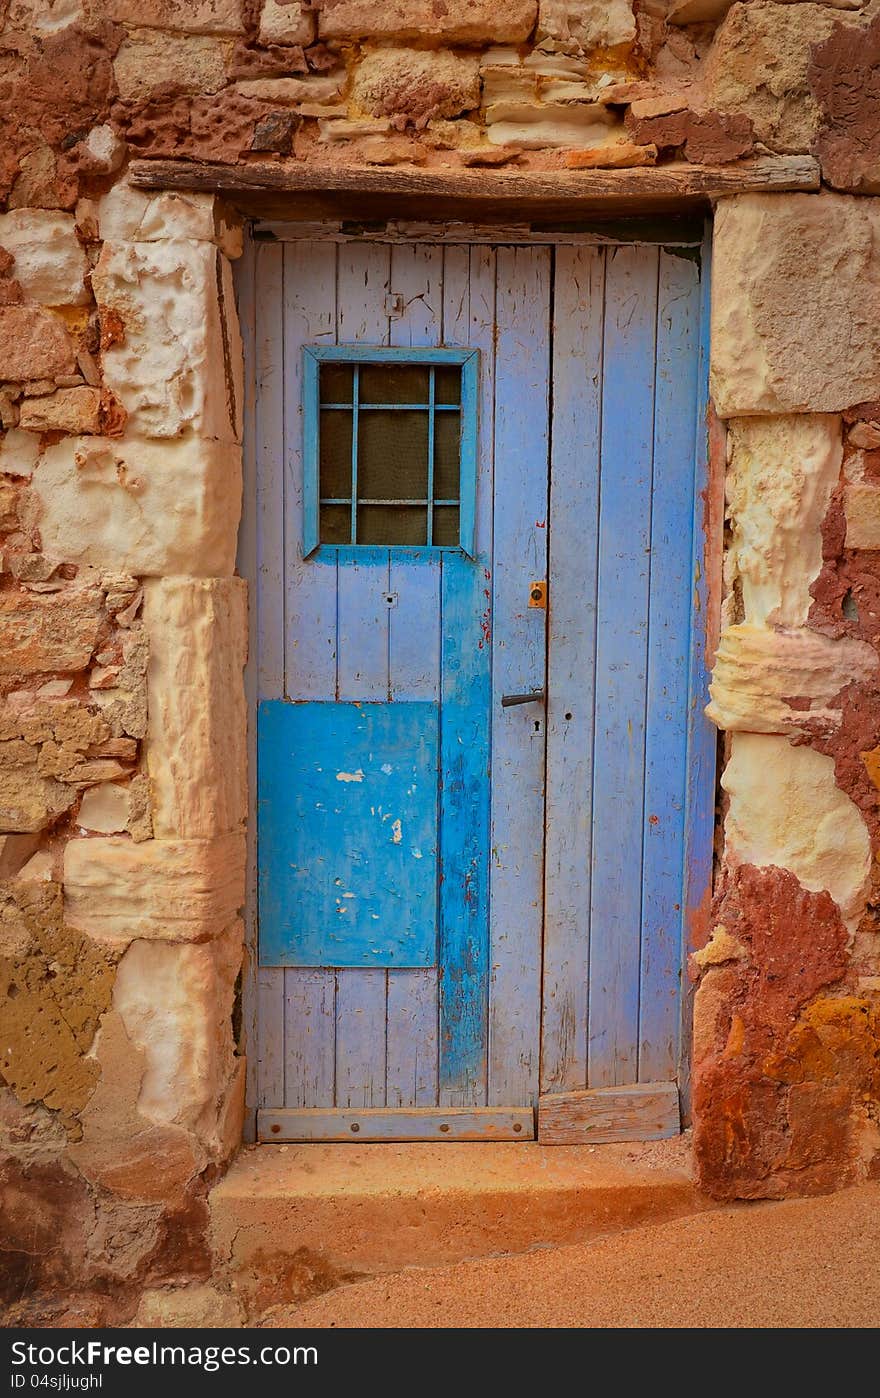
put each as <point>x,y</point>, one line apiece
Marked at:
<point>536,696</point>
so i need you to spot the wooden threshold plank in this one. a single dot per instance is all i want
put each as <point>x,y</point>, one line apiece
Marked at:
<point>408,1124</point>
<point>496,192</point>
<point>639,1112</point>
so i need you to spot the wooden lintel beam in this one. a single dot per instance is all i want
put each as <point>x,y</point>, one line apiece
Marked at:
<point>288,190</point>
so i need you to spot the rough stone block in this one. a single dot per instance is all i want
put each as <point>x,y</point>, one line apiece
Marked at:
<point>290,23</point>
<point>145,507</point>
<point>178,364</point>
<point>55,631</point>
<point>758,65</point>
<point>18,453</point>
<point>195,745</point>
<point>414,85</point>
<point>67,410</point>
<point>535,126</point>
<point>150,59</point>
<point>795,285</point>
<point>862,509</point>
<point>179,16</point>
<point>453,22</point>
<point>50,262</point>
<point>104,809</point>
<point>29,801</point>
<point>34,344</point>
<point>176,1004</point>
<point>786,809</point>
<point>843,80</point>
<point>293,92</point>
<point>577,26</point>
<point>161,890</point>
<point>759,671</point>
<point>191,1307</point>
<point>781,475</point>
<point>129,215</point>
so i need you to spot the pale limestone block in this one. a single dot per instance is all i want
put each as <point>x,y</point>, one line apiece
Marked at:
<point>292,92</point>
<point>758,671</point>
<point>196,65</point>
<point>118,889</point>
<point>417,83</point>
<point>19,451</point>
<point>795,287</point>
<point>105,148</point>
<point>535,126</point>
<point>452,22</point>
<point>144,507</point>
<point>65,410</point>
<point>42,16</point>
<point>786,810</point>
<point>197,718</point>
<point>286,24</point>
<point>861,503</point>
<point>130,215</point>
<point>39,868</point>
<point>180,16</point>
<point>197,1307</point>
<point>178,365</point>
<point>781,475</point>
<point>576,26</point>
<point>104,809</point>
<point>50,262</point>
<point>176,1004</point>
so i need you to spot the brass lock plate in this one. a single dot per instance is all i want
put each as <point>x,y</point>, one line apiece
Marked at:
<point>538,594</point>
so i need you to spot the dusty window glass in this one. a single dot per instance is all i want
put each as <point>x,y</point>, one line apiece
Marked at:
<point>389,453</point>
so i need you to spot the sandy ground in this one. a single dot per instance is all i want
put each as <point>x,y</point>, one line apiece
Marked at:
<point>809,1262</point>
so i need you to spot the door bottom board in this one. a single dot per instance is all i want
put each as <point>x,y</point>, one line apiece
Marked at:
<point>640,1112</point>
<point>396,1124</point>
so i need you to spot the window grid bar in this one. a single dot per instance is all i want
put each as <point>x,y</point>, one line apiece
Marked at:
<point>431,409</point>
<point>363,500</point>
<point>355,411</point>
<point>392,407</point>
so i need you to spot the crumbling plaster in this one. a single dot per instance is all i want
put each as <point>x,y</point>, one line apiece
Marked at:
<point>122,626</point>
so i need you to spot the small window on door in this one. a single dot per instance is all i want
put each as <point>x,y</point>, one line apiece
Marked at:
<point>390,447</point>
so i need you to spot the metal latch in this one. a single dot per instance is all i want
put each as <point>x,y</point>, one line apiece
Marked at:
<point>538,594</point>
<point>535,696</point>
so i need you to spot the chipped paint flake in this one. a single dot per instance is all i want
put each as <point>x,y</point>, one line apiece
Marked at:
<point>357,776</point>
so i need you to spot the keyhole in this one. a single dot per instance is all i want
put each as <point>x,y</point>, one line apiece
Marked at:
<point>568,715</point>
<point>537,725</point>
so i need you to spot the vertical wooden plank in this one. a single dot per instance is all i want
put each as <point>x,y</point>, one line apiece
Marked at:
<point>269,435</point>
<point>707,536</point>
<point>310,1050</point>
<point>362,640</point>
<point>414,581</point>
<point>414,673</point>
<point>360,1038</point>
<point>621,657</point>
<point>411,1057</point>
<point>362,288</point>
<point>244,273</point>
<point>468,321</point>
<point>417,278</point>
<point>675,406</point>
<point>270,1008</point>
<point>310,584</point>
<point>269,600</point>
<point>522,384</point>
<point>574,522</point>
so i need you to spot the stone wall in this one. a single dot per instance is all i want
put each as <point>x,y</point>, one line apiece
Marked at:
<point>122,625</point>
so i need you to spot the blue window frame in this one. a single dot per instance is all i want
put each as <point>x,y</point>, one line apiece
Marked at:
<point>390,447</point>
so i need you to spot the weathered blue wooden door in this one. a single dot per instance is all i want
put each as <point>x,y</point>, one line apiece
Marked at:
<point>427,418</point>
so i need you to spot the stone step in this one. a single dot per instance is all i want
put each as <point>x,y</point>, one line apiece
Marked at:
<point>292,1221</point>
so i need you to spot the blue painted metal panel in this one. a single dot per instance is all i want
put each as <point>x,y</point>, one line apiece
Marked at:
<point>464,825</point>
<point>348,834</point>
